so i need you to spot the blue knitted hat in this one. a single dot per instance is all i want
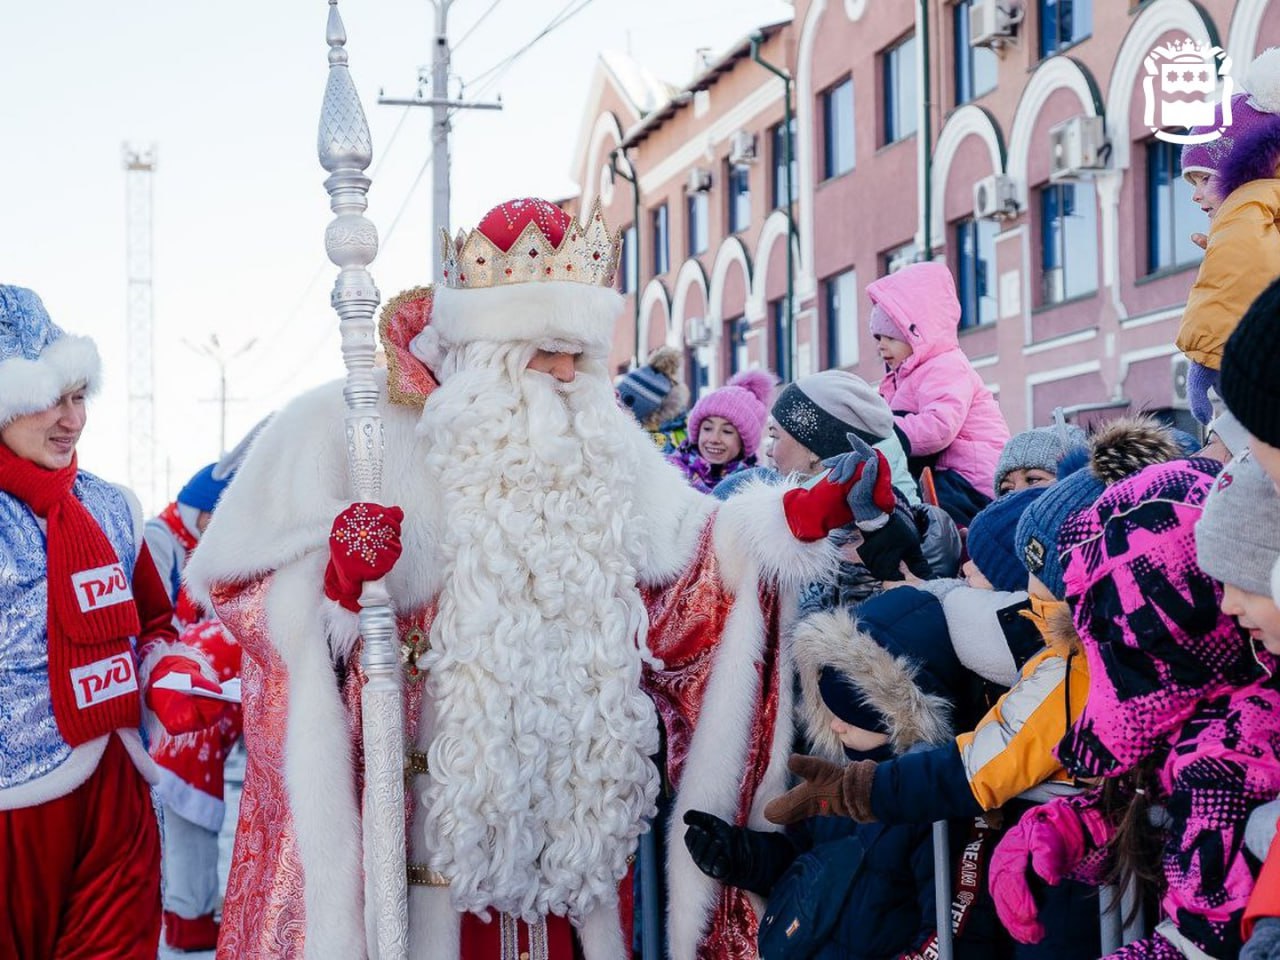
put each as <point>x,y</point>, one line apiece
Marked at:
<point>643,390</point>
<point>202,491</point>
<point>1118,450</point>
<point>1036,539</point>
<point>991,541</point>
<point>38,361</point>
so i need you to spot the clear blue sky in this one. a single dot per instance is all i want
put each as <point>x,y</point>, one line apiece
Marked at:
<point>231,92</point>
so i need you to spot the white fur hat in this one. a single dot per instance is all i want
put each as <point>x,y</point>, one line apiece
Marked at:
<point>38,361</point>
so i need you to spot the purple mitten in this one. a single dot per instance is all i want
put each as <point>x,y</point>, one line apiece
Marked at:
<point>1010,890</point>
<point>1199,379</point>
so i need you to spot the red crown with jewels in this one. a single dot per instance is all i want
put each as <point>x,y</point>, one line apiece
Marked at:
<point>528,241</point>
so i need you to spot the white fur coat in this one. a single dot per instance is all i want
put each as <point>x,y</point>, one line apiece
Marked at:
<point>275,520</point>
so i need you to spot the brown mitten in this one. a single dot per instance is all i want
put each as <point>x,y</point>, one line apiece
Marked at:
<point>828,790</point>
<point>855,788</point>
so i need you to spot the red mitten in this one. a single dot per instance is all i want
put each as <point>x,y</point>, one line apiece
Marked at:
<point>853,489</point>
<point>178,711</point>
<point>364,545</point>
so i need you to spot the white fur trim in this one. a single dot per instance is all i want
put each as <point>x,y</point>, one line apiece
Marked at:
<point>752,534</point>
<point>713,770</point>
<point>435,927</point>
<point>774,783</point>
<point>601,935</point>
<point>292,484</point>
<point>886,684</point>
<point>29,386</point>
<point>673,513</point>
<point>188,802</point>
<point>318,768</point>
<point>533,312</point>
<point>72,772</point>
<point>137,751</point>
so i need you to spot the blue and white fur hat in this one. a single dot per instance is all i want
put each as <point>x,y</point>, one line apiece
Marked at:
<point>38,361</point>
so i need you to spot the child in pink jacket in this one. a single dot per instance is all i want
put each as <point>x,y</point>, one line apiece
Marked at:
<point>943,413</point>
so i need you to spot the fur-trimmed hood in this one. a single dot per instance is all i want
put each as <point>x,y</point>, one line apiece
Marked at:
<point>887,682</point>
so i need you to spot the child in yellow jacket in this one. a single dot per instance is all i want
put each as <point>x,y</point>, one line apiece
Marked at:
<point>1237,181</point>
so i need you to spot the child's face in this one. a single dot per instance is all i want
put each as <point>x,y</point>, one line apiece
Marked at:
<point>1206,192</point>
<point>858,738</point>
<point>1257,613</point>
<point>718,441</point>
<point>1016,481</point>
<point>892,351</point>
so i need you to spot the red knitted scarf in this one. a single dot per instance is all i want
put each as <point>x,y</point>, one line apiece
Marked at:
<point>93,679</point>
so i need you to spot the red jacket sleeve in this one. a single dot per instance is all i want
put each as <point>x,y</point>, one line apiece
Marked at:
<point>155,612</point>
<point>1265,899</point>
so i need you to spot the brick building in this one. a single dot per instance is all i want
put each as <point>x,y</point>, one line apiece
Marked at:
<point>1072,280</point>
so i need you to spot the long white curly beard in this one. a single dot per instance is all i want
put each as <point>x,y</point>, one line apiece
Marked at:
<point>540,778</point>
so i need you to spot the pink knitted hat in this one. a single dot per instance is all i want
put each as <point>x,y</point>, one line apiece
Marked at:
<point>743,401</point>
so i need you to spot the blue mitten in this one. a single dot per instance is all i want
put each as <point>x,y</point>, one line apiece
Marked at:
<point>1199,379</point>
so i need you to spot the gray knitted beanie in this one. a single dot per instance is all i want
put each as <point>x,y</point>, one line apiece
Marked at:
<point>1238,535</point>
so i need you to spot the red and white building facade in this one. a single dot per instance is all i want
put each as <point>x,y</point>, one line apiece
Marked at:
<point>1071,297</point>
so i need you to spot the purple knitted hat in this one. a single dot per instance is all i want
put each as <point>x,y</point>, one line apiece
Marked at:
<point>1250,147</point>
<point>1150,620</point>
<point>743,401</point>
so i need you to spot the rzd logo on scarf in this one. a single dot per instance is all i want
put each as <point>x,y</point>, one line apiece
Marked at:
<point>104,680</point>
<point>101,587</point>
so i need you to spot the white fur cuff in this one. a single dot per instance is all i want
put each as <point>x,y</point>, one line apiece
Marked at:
<point>751,528</point>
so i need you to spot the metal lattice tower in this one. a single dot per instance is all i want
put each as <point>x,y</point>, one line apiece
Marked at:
<point>139,165</point>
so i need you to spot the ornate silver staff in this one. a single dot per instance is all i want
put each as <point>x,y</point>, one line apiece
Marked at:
<point>352,242</point>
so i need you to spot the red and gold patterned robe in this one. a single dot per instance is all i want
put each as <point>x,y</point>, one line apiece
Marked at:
<point>714,581</point>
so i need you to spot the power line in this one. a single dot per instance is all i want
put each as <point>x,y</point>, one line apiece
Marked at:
<point>472,29</point>
<point>404,205</point>
<point>495,72</point>
<point>278,332</point>
<point>322,343</point>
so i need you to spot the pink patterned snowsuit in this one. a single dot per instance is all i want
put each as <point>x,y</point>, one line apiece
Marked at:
<point>1172,677</point>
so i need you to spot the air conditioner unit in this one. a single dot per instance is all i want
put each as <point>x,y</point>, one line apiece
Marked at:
<point>1181,367</point>
<point>743,148</point>
<point>699,180</point>
<point>992,22</point>
<point>1077,147</point>
<point>697,332</point>
<point>995,198</point>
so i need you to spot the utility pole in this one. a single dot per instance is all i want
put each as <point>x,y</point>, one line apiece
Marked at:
<point>441,110</point>
<point>140,165</point>
<point>215,352</point>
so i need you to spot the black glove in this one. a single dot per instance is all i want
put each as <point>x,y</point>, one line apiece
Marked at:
<point>737,856</point>
<point>884,550</point>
